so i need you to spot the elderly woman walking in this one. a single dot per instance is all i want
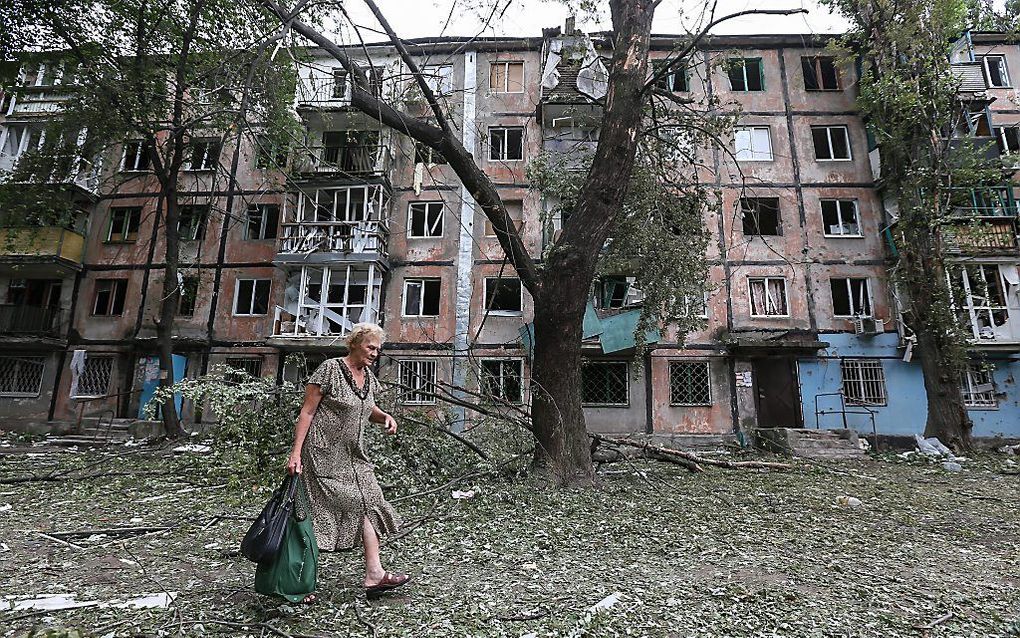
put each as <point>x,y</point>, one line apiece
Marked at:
<point>347,504</point>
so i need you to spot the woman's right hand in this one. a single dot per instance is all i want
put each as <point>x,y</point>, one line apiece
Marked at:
<point>294,462</point>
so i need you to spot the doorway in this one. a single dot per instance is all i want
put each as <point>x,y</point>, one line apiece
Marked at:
<point>777,394</point>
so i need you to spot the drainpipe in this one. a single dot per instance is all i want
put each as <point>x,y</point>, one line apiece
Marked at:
<point>465,244</point>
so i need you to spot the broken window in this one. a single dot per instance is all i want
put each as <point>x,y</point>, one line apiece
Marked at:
<point>262,221</point>
<point>516,212</point>
<point>863,381</point>
<point>752,144</point>
<point>696,305</point>
<point>978,386</point>
<point>768,297</point>
<point>746,74</point>
<point>820,73</point>
<point>124,223</point>
<point>418,381</point>
<point>424,154</point>
<point>339,83</point>
<point>506,77</point>
<point>506,143</point>
<point>248,365</point>
<point>503,294</point>
<point>204,155</point>
<point>349,151</point>
<point>189,295</point>
<point>425,219</point>
<point>251,297</point>
<point>331,300</point>
<point>94,380</point>
<point>1008,138</point>
<point>985,298</point>
<point>503,379</point>
<point>995,70</point>
<point>832,143</point>
<point>21,376</point>
<point>136,156</point>
<point>689,383</point>
<point>108,298</point>
<point>421,297</point>
<point>851,297</point>
<point>677,80</point>
<point>616,291</point>
<point>191,221</point>
<point>604,383</point>
<point>439,79</point>
<point>269,153</point>
<point>839,218</point>
<point>760,215</point>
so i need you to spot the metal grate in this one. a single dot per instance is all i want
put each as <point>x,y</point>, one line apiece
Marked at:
<point>863,382</point>
<point>689,383</point>
<point>978,387</point>
<point>418,378</point>
<point>250,365</point>
<point>604,383</point>
<point>95,378</point>
<point>21,376</point>
<point>502,379</point>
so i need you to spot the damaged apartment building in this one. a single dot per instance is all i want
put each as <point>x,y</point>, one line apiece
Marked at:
<point>800,323</point>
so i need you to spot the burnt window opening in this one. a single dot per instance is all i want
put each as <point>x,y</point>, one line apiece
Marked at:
<point>760,215</point>
<point>503,295</point>
<point>851,297</point>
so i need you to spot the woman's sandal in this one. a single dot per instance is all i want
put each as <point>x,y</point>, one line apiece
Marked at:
<point>310,599</point>
<point>389,582</point>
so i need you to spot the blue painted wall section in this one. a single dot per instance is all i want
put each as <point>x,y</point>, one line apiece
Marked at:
<point>906,410</point>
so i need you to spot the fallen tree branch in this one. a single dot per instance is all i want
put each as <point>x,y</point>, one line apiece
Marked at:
<point>368,625</point>
<point>693,461</point>
<point>111,531</point>
<point>59,540</point>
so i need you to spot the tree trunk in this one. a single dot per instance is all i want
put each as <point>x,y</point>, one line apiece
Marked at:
<point>562,449</point>
<point>167,312</point>
<point>947,416</point>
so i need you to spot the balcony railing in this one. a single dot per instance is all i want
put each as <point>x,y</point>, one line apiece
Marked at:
<point>22,320</point>
<point>41,243</point>
<point>334,237</point>
<point>326,323</point>
<point>991,235</point>
<point>351,160</point>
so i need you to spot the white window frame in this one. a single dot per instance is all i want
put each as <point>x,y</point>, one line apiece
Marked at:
<point>854,302</point>
<point>426,206</point>
<point>1003,69</point>
<point>626,378</point>
<point>17,362</point>
<point>495,312</point>
<point>420,281</point>
<point>419,371</point>
<point>439,79</point>
<point>251,300</point>
<point>261,211</point>
<point>978,306</point>
<point>506,76</point>
<point>753,154</point>
<point>1001,133</point>
<point>121,234</point>
<point>501,379</point>
<point>708,380</point>
<point>978,387</point>
<point>137,148</point>
<point>206,163</point>
<point>765,282</point>
<point>828,138</point>
<point>840,203</point>
<point>506,146</point>
<point>858,381</point>
<point>704,306</point>
<point>743,69</point>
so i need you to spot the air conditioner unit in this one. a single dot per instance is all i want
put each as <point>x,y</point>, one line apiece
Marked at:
<point>868,325</point>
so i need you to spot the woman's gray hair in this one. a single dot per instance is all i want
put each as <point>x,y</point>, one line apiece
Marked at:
<point>362,330</point>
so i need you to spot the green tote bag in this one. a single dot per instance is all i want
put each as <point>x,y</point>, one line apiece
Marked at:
<point>292,572</point>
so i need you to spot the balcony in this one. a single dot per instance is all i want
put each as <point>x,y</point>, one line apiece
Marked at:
<point>971,77</point>
<point>45,249</point>
<point>985,203</point>
<point>31,322</point>
<point>982,148</point>
<point>356,161</point>
<point>985,236</point>
<point>354,240</point>
<point>331,224</point>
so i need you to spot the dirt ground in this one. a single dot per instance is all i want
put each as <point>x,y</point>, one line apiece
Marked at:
<point>662,552</point>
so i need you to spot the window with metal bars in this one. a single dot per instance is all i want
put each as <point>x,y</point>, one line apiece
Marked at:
<point>94,380</point>
<point>418,381</point>
<point>604,384</point>
<point>689,383</point>
<point>863,381</point>
<point>503,379</point>
<point>250,365</point>
<point>21,376</point>
<point>978,386</point>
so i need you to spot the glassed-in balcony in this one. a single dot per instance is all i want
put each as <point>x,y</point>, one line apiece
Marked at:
<point>50,247</point>
<point>322,304</point>
<point>327,224</point>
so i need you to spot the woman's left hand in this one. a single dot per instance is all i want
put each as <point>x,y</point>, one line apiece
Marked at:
<point>390,425</point>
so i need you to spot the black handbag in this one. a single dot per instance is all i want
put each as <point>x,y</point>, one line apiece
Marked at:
<point>262,542</point>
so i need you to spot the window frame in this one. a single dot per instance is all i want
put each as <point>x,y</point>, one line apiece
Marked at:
<point>141,163</point>
<point>511,206</point>
<point>766,279</point>
<point>869,297</point>
<point>251,300</point>
<point>132,218</point>
<point>861,365</point>
<point>672,363</point>
<point>109,379</point>
<point>1003,71</point>
<point>1003,138</point>
<point>815,61</point>
<point>668,82</point>
<point>752,206</point>
<point>422,281</point>
<point>828,128</point>
<point>210,162</point>
<point>506,77</point>
<point>750,149</point>
<point>972,399</point>
<point>425,206</point>
<point>483,375</point>
<point>196,230</point>
<point>731,63</point>
<point>117,291</point>
<point>17,361</point>
<point>417,375</point>
<point>501,312</point>
<point>186,289</point>
<point>839,204</point>
<point>505,130</point>
<point>262,210</point>
<point>626,377</point>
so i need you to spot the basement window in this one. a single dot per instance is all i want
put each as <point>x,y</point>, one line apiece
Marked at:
<point>94,380</point>
<point>863,382</point>
<point>251,297</point>
<point>978,386</point>
<point>425,219</point>
<point>746,74</point>
<point>768,297</point>
<point>604,384</point>
<point>21,376</point>
<point>840,218</point>
<point>421,297</point>
<point>418,381</point>
<point>820,73</point>
<point>108,298</point>
<point>503,295</point>
<point>502,379</point>
<point>832,143</point>
<point>851,297</point>
<point>689,383</point>
<point>760,215</point>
